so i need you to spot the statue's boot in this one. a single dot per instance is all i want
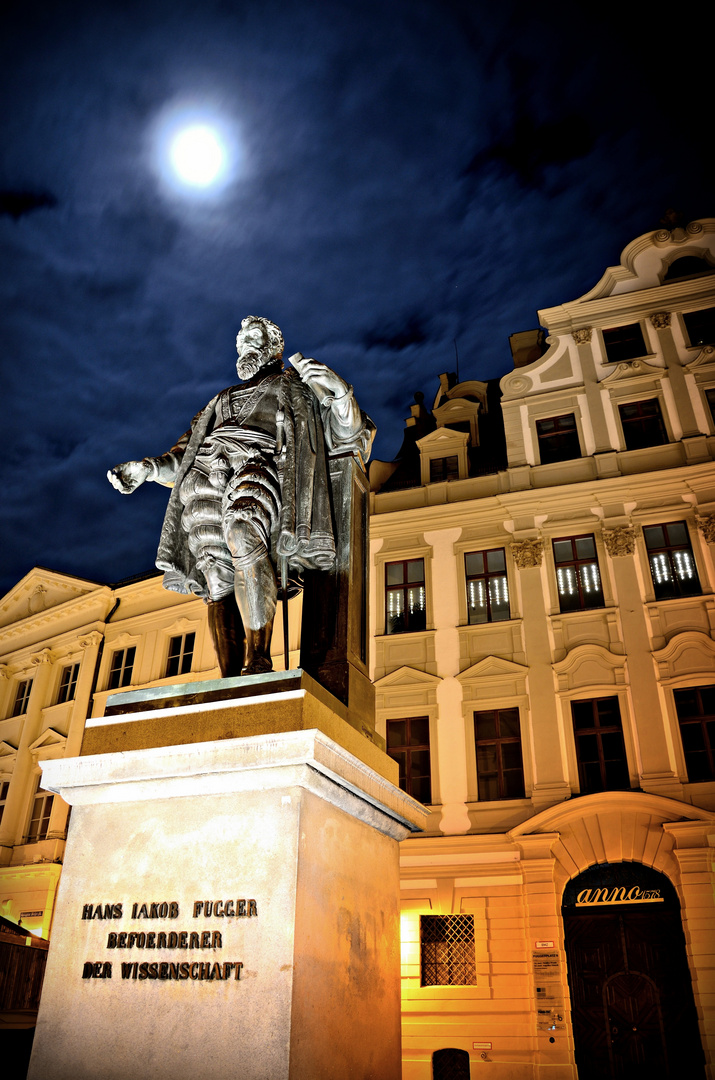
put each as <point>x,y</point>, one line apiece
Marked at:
<point>256,595</point>
<point>227,634</point>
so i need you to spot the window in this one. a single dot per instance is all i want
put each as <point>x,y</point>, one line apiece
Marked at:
<point>600,750</point>
<point>687,266</point>
<point>672,566</point>
<point>624,343</point>
<point>700,326</point>
<point>181,653</point>
<point>68,683</point>
<point>120,673</point>
<point>487,590</point>
<point>408,745</point>
<point>642,423</point>
<point>40,816</point>
<point>558,439</point>
<point>443,468</point>
<point>500,771</point>
<point>22,697</point>
<point>447,950</point>
<point>696,716</point>
<point>450,1064</point>
<point>405,596</point>
<point>4,787</point>
<point>577,575</point>
<point>710,398</point>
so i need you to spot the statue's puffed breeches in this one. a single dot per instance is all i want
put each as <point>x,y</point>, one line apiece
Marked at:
<point>231,512</point>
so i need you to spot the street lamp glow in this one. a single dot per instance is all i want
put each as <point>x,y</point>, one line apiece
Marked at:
<point>198,155</point>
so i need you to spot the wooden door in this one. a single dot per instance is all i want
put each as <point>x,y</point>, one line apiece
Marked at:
<point>631,995</point>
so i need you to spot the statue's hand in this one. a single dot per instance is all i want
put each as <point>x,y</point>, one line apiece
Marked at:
<point>318,376</point>
<point>127,477</point>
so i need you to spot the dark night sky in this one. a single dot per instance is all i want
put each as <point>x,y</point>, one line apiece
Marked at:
<point>407,172</point>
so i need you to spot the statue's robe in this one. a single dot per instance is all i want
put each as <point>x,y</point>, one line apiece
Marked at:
<point>307,434</point>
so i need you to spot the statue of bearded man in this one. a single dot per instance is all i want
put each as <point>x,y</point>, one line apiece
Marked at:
<point>251,496</point>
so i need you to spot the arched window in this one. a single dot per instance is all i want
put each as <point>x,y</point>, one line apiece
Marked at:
<point>688,266</point>
<point>450,1064</point>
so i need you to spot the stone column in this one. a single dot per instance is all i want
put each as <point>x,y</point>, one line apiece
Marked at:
<point>695,855</point>
<point>658,772</point>
<point>550,784</point>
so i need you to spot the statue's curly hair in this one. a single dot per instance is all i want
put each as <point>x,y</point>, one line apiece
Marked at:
<point>275,337</point>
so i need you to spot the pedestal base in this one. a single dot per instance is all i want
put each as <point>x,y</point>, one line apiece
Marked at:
<point>226,908</point>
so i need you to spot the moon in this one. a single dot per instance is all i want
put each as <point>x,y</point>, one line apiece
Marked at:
<point>196,150</point>
<point>198,155</point>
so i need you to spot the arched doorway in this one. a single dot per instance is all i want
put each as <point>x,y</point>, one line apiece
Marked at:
<point>632,1004</point>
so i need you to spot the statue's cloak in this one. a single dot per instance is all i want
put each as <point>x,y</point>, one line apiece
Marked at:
<point>305,536</point>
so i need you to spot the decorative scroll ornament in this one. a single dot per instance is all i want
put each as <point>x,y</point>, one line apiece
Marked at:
<point>44,657</point>
<point>706,525</point>
<point>4,671</point>
<point>660,320</point>
<point>582,336</point>
<point>527,553</point>
<point>620,540</point>
<point>90,640</point>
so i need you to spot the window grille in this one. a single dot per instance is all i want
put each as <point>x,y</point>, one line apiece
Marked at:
<point>487,587</point>
<point>558,439</point>
<point>577,575</point>
<point>670,556</point>
<point>447,950</point>
<point>405,596</point>
<point>450,1064</point>
<point>696,715</point>
<point>642,423</point>
<point>68,683</point>
<point>22,697</point>
<point>120,673</point>
<point>408,745</point>
<point>181,654</point>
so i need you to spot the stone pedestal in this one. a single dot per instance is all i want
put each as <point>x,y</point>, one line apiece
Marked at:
<point>227,907</point>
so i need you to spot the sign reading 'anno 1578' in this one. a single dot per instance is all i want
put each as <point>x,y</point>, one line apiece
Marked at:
<point>175,968</point>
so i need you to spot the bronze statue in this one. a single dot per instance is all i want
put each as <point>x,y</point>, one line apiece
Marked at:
<point>251,510</point>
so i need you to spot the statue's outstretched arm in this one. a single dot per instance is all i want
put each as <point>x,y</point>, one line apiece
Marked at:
<point>127,477</point>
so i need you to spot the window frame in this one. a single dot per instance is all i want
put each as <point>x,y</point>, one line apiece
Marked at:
<point>69,677</point>
<point>685,315</point>
<point>4,792</point>
<point>701,719</point>
<point>576,562</point>
<point>23,691</point>
<point>121,681</point>
<point>629,425</point>
<point>679,594</point>
<point>498,741</point>
<point>486,577</point>
<point>543,440</point>
<point>403,587</point>
<point>625,359</point>
<point>46,799</point>
<point>408,749</point>
<point>182,668</point>
<point>596,730</point>
<point>443,460</point>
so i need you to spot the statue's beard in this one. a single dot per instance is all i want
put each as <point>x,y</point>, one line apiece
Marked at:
<point>251,361</point>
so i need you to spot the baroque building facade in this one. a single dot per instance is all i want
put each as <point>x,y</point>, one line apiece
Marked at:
<point>543,617</point>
